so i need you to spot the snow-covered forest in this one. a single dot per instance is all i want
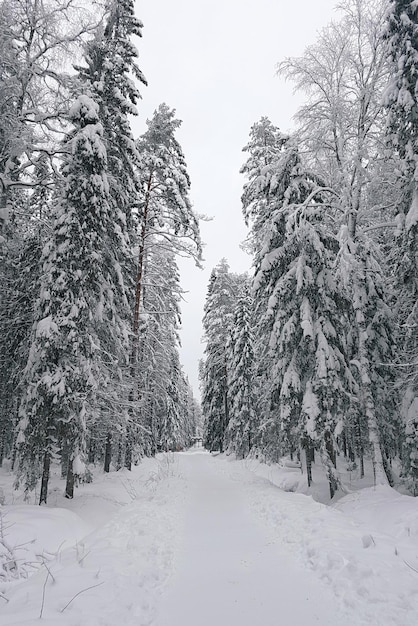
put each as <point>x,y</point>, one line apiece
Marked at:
<point>309,381</point>
<point>92,221</point>
<point>317,351</point>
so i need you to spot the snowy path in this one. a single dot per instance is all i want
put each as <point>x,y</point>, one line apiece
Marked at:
<point>231,571</point>
<point>208,541</point>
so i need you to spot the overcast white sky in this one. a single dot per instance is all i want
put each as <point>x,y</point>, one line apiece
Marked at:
<point>214,62</point>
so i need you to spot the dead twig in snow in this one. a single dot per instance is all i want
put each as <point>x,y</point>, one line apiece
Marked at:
<point>50,573</point>
<point>79,593</point>
<point>410,566</point>
<point>43,595</point>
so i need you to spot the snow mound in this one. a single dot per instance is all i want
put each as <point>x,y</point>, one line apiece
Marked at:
<point>365,546</point>
<point>30,536</point>
<point>115,574</point>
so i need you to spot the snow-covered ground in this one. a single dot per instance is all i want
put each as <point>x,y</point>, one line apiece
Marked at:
<point>192,538</point>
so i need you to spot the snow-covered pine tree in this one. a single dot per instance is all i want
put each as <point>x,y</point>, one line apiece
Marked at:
<point>242,386</point>
<point>217,320</point>
<point>167,220</point>
<point>76,310</point>
<point>402,127</point>
<point>165,211</point>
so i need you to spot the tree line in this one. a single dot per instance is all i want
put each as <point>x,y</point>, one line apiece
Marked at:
<point>318,350</point>
<point>91,222</point>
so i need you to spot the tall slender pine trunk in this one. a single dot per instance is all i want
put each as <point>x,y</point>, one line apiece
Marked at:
<point>135,324</point>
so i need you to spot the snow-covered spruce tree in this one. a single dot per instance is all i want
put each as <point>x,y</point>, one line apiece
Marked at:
<point>75,311</point>
<point>242,425</point>
<point>36,39</point>
<point>20,284</point>
<point>217,320</point>
<point>258,202</point>
<point>264,148</point>
<point>402,127</point>
<point>110,63</point>
<point>19,279</point>
<point>310,378</point>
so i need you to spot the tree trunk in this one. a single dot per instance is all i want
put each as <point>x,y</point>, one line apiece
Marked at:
<point>135,324</point>
<point>359,446</point>
<point>128,449</point>
<point>4,201</point>
<point>139,274</point>
<point>329,447</point>
<point>379,475</point>
<point>224,424</point>
<point>309,457</point>
<point>128,455</point>
<point>361,459</point>
<point>45,478</point>
<point>364,364</point>
<point>351,455</point>
<point>92,451</point>
<point>329,462</point>
<point>108,452</point>
<point>119,461</point>
<point>64,460</point>
<point>308,464</point>
<point>14,455</point>
<point>69,487</point>
<point>345,445</point>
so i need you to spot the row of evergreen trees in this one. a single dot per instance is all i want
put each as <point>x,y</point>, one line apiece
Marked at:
<point>91,222</point>
<point>322,354</point>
